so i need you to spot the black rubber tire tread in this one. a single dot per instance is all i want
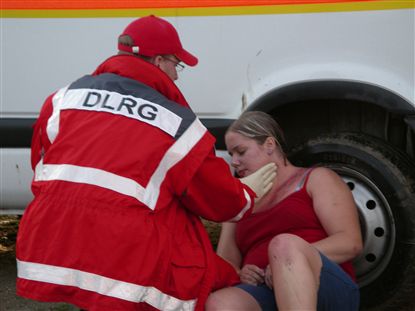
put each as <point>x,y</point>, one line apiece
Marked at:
<point>393,173</point>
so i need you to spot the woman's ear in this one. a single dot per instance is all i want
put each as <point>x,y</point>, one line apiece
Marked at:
<point>269,145</point>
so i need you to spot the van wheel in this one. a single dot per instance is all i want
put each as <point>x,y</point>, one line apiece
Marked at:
<point>382,181</point>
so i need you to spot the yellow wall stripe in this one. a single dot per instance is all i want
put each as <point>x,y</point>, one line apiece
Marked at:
<point>212,11</point>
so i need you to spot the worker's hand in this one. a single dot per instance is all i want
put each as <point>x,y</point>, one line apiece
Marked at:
<point>251,274</point>
<point>261,181</point>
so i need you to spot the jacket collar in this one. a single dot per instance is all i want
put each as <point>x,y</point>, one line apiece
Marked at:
<point>133,67</point>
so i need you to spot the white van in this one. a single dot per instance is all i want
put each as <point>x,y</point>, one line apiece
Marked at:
<point>338,75</point>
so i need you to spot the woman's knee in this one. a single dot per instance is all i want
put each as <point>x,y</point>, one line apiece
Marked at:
<point>284,245</point>
<point>214,301</point>
<point>289,248</point>
<point>220,299</point>
<point>231,298</point>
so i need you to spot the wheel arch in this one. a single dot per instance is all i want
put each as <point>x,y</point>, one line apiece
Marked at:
<point>334,89</point>
<point>314,107</point>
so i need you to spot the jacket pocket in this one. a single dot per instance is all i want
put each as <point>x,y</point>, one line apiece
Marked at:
<point>188,267</point>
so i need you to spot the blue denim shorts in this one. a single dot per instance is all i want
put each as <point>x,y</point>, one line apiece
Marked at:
<point>337,290</point>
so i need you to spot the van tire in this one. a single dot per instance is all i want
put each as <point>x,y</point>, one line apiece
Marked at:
<point>382,182</point>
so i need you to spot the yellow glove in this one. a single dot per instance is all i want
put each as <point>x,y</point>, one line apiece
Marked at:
<point>262,180</point>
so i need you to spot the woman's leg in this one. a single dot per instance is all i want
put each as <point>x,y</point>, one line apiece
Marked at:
<point>231,298</point>
<point>295,266</point>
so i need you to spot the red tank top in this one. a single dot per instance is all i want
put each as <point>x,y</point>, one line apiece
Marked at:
<point>294,214</point>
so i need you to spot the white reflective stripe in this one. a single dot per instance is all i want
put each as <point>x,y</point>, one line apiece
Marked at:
<point>244,210</point>
<point>91,176</point>
<point>102,285</point>
<point>125,105</point>
<point>120,184</point>
<point>52,128</point>
<point>176,152</point>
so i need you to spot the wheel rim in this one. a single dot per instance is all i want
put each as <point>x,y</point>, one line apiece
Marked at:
<point>377,224</point>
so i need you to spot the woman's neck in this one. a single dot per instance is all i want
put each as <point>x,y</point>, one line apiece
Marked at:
<point>286,181</point>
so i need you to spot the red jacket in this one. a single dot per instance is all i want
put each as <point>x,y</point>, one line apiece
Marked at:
<point>123,170</point>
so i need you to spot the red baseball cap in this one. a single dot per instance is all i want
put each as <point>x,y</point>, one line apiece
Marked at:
<point>155,36</point>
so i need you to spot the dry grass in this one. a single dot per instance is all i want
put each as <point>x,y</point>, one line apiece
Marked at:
<point>8,233</point>
<point>213,230</point>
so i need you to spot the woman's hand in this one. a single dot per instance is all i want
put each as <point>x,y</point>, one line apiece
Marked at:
<point>268,277</point>
<point>251,274</point>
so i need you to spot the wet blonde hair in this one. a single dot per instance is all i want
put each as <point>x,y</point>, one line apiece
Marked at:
<point>258,126</point>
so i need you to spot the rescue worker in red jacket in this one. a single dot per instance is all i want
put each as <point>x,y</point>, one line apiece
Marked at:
<point>123,171</point>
